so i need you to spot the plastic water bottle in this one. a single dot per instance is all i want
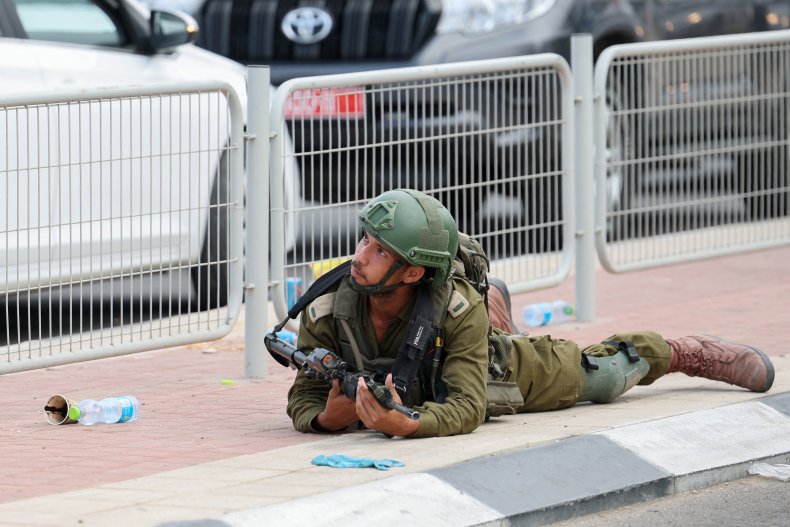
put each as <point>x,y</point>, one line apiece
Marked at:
<point>543,313</point>
<point>110,410</point>
<point>561,311</point>
<point>536,315</point>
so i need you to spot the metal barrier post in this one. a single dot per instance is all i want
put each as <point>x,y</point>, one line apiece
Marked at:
<point>582,67</point>
<point>257,233</point>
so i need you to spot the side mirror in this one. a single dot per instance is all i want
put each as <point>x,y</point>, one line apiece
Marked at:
<point>170,29</point>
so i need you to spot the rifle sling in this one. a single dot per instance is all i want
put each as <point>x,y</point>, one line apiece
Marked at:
<point>354,347</point>
<point>319,287</point>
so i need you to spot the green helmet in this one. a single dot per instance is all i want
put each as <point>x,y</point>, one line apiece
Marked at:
<point>415,226</point>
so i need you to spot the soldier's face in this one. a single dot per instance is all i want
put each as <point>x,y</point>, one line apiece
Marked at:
<point>371,262</point>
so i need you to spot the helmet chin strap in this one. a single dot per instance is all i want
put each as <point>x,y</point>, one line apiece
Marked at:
<point>379,288</point>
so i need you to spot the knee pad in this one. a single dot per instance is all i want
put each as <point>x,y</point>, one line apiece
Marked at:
<point>614,376</point>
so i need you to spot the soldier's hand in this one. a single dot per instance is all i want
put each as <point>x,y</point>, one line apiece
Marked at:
<point>340,411</point>
<point>376,417</point>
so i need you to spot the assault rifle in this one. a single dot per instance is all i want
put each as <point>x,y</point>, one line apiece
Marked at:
<point>324,365</point>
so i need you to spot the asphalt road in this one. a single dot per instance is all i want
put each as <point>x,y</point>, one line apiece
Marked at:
<point>750,501</point>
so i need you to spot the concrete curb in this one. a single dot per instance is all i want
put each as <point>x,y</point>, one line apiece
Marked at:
<point>557,481</point>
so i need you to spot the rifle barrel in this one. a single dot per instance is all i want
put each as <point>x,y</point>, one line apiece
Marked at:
<point>405,410</point>
<point>283,352</point>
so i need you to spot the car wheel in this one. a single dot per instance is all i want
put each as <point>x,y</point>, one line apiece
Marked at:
<point>210,276</point>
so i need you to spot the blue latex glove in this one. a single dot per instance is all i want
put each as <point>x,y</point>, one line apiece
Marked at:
<point>342,461</point>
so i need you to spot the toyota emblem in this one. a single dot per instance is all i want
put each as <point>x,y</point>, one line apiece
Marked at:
<point>307,25</point>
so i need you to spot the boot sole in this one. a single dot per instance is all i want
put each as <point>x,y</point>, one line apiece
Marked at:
<point>769,378</point>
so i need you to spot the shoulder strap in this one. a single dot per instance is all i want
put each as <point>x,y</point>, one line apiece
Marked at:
<point>316,289</point>
<point>416,341</point>
<point>354,347</point>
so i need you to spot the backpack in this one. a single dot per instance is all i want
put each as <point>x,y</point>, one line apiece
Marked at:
<point>471,264</point>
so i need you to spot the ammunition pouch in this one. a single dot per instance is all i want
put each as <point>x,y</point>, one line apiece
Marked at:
<point>502,398</point>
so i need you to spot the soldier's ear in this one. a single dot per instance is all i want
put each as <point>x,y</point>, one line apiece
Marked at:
<point>413,274</point>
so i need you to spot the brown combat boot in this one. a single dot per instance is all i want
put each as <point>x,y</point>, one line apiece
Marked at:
<point>499,307</point>
<point>713,358</point>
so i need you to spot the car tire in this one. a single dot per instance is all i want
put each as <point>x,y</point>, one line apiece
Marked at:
<point>210,276</point>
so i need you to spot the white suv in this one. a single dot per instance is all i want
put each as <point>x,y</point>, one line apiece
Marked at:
<point>110,198</point>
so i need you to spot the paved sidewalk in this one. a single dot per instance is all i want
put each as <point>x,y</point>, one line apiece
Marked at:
<point>557,480</point>
<point>202,449</point>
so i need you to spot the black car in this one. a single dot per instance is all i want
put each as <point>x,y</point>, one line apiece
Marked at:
<point>297,40</point>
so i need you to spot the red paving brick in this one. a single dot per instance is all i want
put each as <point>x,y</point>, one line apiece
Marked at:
<point>188,417</point>
<point>743,297</point>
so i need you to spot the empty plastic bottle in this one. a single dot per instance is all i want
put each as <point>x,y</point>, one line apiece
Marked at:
<point>536,315</point>
<point>561,311</point>
<point>109,410</point>
<point>543,313</point>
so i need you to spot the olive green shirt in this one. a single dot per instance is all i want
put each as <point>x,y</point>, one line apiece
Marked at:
<point>465,355</point>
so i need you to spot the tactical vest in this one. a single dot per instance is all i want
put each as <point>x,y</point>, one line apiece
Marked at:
<point>417,367</point>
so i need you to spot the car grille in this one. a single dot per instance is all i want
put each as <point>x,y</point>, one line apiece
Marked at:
<point>249,30</point>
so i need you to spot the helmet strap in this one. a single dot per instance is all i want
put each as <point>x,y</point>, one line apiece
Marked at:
<point>380,288</point>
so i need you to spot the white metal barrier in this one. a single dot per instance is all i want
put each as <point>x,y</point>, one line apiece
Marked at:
<point>695,141</point>
<point>485,138</point>
<point>120,221</point>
